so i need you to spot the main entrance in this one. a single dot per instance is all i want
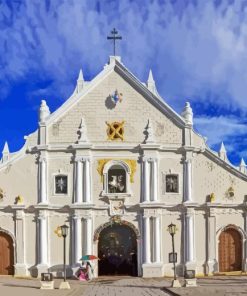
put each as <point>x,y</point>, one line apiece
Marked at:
<point>230,250</point>
<point>6,254</point>
<point>117,251</point>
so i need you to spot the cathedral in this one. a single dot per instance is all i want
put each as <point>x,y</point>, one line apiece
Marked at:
<point>117,165</point>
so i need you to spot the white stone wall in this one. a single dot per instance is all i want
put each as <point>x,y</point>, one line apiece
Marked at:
<point>19,178</point>
<point>134,110</point>
<point>210,177</point>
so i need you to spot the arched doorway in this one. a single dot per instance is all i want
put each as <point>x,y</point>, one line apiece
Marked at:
<point>230,250</point>
<point>6,254</point>
<point>117,250</point>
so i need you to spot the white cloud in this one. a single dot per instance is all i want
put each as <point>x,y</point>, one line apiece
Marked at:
<point>231,130</point>
<point>192,48</point>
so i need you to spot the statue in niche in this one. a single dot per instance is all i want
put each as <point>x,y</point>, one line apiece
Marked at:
<point>82,132</point>
<point>116,181</point>
<point>172,183</point>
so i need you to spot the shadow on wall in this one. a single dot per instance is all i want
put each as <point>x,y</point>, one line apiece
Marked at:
<point>56,270</point>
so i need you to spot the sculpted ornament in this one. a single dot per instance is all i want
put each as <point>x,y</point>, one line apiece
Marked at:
<point>115,130</point>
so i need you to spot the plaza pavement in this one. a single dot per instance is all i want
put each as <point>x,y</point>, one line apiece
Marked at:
<point>127,286</point>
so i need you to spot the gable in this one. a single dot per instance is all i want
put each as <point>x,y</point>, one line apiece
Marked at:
<point>97,108</point>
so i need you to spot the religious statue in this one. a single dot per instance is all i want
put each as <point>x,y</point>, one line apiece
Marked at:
<point>82,132</point>
<point>117,184</point>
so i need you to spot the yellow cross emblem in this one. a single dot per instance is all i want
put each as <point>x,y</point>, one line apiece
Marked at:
<point>115,130</point>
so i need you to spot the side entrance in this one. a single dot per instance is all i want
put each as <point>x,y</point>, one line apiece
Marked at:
<point>6,254</point>
<point>230,250</point>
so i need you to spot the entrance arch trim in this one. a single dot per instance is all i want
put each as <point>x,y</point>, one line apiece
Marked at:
<point>110,223</point>
<point>10,234</point>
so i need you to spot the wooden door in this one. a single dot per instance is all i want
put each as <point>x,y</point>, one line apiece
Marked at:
<point>230,251</point>
<point>6,254</point>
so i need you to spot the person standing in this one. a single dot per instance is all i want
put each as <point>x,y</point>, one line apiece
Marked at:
<point>89,271</point>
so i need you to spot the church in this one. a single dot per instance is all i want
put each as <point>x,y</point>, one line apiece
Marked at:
<point>117,165</point>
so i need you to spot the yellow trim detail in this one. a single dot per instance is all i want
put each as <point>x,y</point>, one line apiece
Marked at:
<point>131,163</point>
<point>115,130</point>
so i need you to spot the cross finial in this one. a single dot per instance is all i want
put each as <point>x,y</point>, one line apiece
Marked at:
<point>114,37</point>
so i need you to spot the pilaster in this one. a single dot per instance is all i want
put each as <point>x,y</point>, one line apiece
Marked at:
<point>77,238</point>
<point>20,265</point>
<point>146,180</point>
<point>189,219</point>
<point>87,180</point>
<point>43,180</point>
<point>188,180</point>
<point>157,242</point>
<point>79,180</point>
<point>42,242</point>
<point>211,241</point>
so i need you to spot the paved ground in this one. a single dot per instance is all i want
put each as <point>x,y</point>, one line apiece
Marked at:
<point>99,287</point>
<point>127,286</point>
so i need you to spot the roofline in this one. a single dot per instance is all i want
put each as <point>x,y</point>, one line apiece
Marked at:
<point>157,101</point>
<point>208,152</point>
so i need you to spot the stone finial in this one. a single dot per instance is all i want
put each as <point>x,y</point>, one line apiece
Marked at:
<point>80,82</point>
<point>242,166</point>
<point>113,59</point>
<point>5,152</point>
<point>222,152</point>
<point>44,111</point>
<point>82,132</point>
<point>151,83</point>
<point>188,114</point>
<point>149,132</point>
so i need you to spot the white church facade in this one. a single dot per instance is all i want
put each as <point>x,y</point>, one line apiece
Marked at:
<point>117,165</point>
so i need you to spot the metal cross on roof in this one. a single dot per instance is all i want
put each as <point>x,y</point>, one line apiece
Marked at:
<point>114,32</point>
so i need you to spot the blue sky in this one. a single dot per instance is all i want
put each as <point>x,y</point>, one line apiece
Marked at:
<point>196,49</point>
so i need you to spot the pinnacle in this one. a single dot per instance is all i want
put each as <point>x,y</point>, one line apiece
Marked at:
<point>222,147</point>
<point>242,163</point>
<point>80,77</point>
<point>6,148</point>
<point>150,76</point>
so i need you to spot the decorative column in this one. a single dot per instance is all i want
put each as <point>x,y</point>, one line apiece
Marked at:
<point>157,239</point>
<point>79,180</point>
<point>77,239</point>
<point>88,235</point>
<point>20,266</point>
<point>42,242</point>
<point>187,180</point>
<point>189,239</point>
<point>146,180</point>
<point>42,180</point>
<point>154,179</point>
<point>87,179</point>
<point>146,235</point>
<point>211,240</point>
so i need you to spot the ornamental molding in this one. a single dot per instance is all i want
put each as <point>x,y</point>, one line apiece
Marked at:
<point>130,162</point>
<point>117,221</point>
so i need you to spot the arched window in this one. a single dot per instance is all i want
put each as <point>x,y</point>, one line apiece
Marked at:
<point>116,178</point>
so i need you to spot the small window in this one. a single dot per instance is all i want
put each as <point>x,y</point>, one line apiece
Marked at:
<point>172,183</point>
<point>116,179</point>
<point>61,184</point>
